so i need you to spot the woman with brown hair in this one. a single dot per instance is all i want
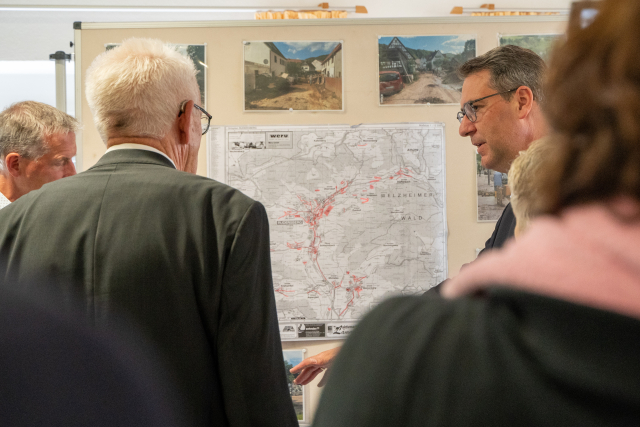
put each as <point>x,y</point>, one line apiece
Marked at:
<point>545,331</point>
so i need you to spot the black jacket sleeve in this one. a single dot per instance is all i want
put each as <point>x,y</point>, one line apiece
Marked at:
<point>250,353</point>
<point>505,227</point>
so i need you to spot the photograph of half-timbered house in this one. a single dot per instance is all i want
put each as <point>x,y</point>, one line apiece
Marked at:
<point>422,69</point>
<point>293,75</point>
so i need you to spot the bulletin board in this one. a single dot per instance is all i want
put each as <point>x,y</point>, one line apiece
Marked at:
<point>361,99</point>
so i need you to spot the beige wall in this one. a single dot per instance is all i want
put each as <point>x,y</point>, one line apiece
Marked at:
<point>360,80</point>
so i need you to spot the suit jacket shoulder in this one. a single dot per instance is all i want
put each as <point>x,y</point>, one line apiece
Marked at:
<point>505,228</point>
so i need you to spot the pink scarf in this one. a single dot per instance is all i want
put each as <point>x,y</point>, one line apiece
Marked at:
<point>588,256</point>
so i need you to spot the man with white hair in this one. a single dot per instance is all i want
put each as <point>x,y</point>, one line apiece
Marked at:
<point>139,236</point>
<point>37,145</point>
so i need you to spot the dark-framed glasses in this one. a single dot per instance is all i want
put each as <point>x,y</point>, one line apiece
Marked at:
<point>205,117</point>
<point>469,111</point>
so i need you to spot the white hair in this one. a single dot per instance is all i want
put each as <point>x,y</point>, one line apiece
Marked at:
<point>524,178</point>
<point>136,89</point>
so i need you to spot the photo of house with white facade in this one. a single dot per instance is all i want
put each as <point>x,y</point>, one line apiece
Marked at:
<point>293,75</point>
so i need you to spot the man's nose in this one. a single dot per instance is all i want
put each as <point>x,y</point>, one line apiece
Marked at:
<point>466,127</point>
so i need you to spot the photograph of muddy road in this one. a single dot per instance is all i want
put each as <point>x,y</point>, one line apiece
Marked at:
<point>293,76</point>
<point>422,69</point>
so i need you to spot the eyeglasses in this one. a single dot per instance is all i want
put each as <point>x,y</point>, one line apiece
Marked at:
<point>205,119</point>
<point>470,112</point>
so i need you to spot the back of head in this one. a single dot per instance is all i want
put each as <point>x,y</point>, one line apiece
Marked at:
<point>524,179</point>
<point>510,67</point>
<point>595,111</point>
<point>136,89</point>
<point>25,125</point>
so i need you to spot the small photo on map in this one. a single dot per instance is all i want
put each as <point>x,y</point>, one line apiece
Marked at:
<point>422,69</point>
<point>493,192</point>
<point>542,44</point>
<point>293,75</point>
<point>291,359</point>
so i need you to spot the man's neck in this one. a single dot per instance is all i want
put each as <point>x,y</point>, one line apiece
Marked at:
<point>161,145</point>
<point>151,142</point>
<point>538,124</point>
<point>8,188</point>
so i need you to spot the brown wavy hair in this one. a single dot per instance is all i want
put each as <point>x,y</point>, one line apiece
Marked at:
<point>593,107</point>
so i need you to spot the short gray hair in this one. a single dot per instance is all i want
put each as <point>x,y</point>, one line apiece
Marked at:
<point>25,125</point>
<point>135,89</point>
<point>509,67</point>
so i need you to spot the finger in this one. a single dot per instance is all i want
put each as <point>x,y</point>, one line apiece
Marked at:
<point>307,376</point>
<point>304,375</point>
<point>304,364</point>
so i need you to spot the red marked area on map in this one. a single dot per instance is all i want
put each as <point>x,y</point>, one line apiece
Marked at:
<point>283,292</point>
<point>404,172</point>
<point>295,245</point>
<point>357,279</point>
<point>353,291</point>
<point>312,211</point>
<point>348,304</point>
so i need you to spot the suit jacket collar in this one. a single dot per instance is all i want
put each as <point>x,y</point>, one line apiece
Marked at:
<point>133,156</point>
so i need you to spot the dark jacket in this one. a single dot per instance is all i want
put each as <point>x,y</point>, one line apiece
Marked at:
<point>507,358</point>
<point>505,227</point>
<point>58,371</point>
<point>184,258</point>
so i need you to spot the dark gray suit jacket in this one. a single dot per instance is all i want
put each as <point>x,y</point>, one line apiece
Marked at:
<point>184,258</point>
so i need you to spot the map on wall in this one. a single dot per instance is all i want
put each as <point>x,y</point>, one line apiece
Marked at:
<point>357,214</point>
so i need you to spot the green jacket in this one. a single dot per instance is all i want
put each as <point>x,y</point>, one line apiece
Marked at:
<point>507,358</point>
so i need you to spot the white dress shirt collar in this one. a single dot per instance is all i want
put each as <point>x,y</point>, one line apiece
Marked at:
<point>131,146</point>
<point>4,202</point>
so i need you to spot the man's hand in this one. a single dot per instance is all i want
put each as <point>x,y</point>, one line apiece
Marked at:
<point>310,367</point>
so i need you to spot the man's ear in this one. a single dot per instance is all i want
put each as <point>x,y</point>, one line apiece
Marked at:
<point>184,123</point>
<point>524,96</point>
<point>12,164</point>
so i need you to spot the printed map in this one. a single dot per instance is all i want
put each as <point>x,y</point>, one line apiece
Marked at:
<point>357,214</point>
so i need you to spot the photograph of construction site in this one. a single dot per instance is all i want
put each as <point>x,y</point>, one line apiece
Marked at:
<point>303,75</point>
<point>422,69</point>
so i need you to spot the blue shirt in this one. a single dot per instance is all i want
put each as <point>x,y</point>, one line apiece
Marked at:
<point>497,179</point>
